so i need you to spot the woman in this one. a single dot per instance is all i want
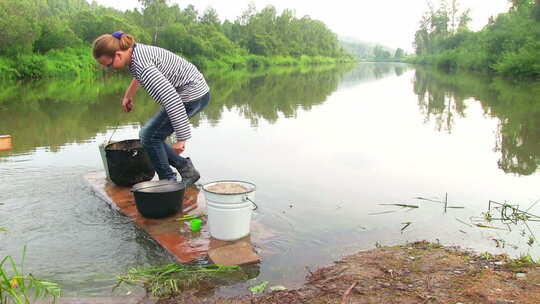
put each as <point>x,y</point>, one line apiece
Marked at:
<point>172,82</point>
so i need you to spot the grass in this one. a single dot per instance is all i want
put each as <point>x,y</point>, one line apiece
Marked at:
<point>16,287</point>
<point>524,260</point>
<point>172,279</point>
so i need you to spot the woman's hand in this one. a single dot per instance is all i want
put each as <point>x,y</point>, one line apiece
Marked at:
<point>179,147</point>
<point>127,101</point>
<point>127,104</point>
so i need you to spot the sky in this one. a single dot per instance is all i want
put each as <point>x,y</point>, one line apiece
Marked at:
<point>388,22</point>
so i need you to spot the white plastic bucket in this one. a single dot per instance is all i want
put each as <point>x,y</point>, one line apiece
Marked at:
<point>229,215</point>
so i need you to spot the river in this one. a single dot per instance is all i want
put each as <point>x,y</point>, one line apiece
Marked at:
<point>330,149</point>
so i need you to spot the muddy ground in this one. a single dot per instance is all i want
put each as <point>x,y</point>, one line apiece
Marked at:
<point>419,272</point>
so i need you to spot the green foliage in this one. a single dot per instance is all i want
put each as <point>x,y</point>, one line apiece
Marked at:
<point>17,287</point>
<point>507,45</point>
<point>68,62</point>
<point>238,62</point>
<point>89,24</point>
<point>268,34</point>
<point>19,26</point>
<point>210,16</point>
<point>524,62</point>
<point>55,34</point>
<point>31,66</point>
<point>7,70</point>
<point>50,38</point>
<point>58,63</point>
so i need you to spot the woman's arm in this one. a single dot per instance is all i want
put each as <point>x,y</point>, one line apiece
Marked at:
<point>127,101</point>
<point>162,91</point>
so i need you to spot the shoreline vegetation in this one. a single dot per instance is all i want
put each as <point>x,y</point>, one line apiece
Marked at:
<point>508,45</point>
<point>79,63</point>
<point>52,38</point>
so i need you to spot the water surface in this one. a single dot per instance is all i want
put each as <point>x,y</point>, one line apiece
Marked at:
<point>326,147</point>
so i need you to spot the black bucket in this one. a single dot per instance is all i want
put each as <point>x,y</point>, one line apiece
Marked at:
<point>158,199</point>
<point>128,163</point>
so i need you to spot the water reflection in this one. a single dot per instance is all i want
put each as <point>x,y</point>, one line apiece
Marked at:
<point>52,114</point>
<point>372,71</point>
<point>442,97</point>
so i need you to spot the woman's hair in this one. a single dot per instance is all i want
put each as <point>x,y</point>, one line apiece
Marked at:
<point>108,44</point>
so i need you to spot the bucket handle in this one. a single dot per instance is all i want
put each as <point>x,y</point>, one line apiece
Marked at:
<point>114,131</point>
<point>248,199</point>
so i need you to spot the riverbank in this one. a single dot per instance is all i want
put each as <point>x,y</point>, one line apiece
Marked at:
<point>79,63</point>
<point>522,66</point>
<point>506,45</point>
<point>419,272</point>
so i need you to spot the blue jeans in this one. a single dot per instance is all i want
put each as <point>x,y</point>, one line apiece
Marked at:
<point>157,129</point>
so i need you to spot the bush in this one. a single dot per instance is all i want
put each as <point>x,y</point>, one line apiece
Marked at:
<point>524,62</point>
<point>6,69</point>
<point>70,63</point>
<point>31,66</point>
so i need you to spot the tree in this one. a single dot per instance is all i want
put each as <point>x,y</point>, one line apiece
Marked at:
<point>440,25</point>
<point>190,14</point>
<point>464,20</point>
<point>20,26</point>
<point>440,20</point>
<point>399,53</point>
<point>380,53</point>
<point>246,15</point>
<point>86,25</point>
<point>89,24</point>
<point>55,34</point>
<point>57,7</point>
<point>210,16</point>
<point>454,9</point>
<point>156,15</point>
<point>421,37</point>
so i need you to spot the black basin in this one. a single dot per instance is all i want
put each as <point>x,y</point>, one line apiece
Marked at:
<point>158,199</point>
<point>128,163</point>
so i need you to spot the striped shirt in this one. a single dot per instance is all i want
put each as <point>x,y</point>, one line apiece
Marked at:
<point>170,80</point>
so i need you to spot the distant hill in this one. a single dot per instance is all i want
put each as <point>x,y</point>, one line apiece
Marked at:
<point>365,50</point>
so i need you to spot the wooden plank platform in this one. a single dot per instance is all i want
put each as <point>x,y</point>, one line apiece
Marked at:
<point>174,236</point>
